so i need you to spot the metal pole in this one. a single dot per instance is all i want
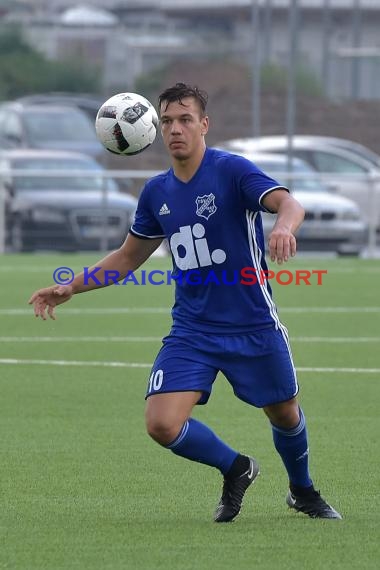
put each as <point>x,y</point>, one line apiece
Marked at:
<point>292,66</point>
<point>2,216</point>
<point>267,27</point>
<point>373,181</point>
<point>356,43</point>
<point>104,236</point>
<point>326,39</point>
<point>256,69</point>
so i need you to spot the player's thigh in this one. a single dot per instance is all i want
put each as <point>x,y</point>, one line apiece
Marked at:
<point>181,368</point>
<point>266,377</point>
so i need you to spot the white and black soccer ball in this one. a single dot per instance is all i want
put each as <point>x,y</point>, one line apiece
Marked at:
<point>126,123</point>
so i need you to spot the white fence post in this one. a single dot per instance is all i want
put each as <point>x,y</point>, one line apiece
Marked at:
<point>373,180</point>
<point>2,216</point>
<point>104,236</point>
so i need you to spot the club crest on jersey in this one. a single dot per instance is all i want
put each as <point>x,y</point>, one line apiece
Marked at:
<point>205,206</point>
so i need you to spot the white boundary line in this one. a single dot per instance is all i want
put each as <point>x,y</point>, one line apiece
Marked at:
<point>105,364</point>
<point>75,363</point>
<point>110,339</point>
<point>333,339</point>
<point>16,339</point>
<point>96,311</point>
<point>344,370</point>
<point>345,310</point>
<point>167,310</point>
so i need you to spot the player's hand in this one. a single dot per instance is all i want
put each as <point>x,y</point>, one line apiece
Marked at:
<point>49,298</point>
<point>282,245</point>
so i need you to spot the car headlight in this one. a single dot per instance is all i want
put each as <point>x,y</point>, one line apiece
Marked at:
<point>351,215</point>
<point>48,215</point>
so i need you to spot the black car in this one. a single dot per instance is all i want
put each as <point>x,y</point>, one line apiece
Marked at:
<point>48,126</point>
<point>63,205</point>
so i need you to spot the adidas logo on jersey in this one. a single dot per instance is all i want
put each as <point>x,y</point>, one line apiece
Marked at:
<point>190,248</point>
<point>164,210</point>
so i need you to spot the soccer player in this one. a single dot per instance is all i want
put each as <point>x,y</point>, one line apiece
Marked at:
<point>208,206</point>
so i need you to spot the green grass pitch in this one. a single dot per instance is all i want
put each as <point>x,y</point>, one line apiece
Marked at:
<point>82,485</point>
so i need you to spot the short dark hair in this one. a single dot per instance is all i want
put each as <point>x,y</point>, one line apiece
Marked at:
<point>180,91</point>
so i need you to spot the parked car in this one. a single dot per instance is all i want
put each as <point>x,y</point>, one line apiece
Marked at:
<point>88,103</point>
<point>332,223</point>
<point>24,125</point>
<point>351,146</point>
<point>349,169</point>
<point>57,212</point>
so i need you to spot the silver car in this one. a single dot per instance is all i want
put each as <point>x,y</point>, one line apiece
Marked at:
<point>58,127</point>
<point>50,210</point>
<point>332,223</point>
<point>353,170</point>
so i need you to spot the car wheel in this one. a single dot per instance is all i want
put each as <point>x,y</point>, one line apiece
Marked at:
<point>348,253</point>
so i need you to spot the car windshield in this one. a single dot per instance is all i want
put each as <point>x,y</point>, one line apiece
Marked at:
<point>360,150</point>
<point>54,182</point>
<point>63,125</point>
<point>307,181</point>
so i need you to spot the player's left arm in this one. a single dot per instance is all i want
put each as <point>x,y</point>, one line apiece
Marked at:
<point>290,214</point>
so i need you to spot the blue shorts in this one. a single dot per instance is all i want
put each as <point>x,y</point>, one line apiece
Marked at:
<point>258,366</point>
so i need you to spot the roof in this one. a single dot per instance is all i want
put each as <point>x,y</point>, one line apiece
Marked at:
<point>281,159</point>
<point>198,4</point>
<point>220,4</point>
<point>88,16</point>
<point>27,153</point>
<point>25,106</point>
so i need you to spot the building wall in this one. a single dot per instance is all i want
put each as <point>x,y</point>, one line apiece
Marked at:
<point>151,38</point>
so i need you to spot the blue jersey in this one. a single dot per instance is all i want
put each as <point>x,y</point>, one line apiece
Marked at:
<point>214,230</point>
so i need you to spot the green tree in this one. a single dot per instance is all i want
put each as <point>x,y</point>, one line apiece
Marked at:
<point>275,78</point>
<point>23,70</point>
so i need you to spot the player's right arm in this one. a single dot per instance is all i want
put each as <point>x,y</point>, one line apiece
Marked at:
<point>129,257</point>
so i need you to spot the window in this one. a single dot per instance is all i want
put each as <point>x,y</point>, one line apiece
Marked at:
<point>328,162</point>
<point>69,125</point>
<point>54,182</point>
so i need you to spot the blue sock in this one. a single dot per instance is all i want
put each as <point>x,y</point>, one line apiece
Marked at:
<point>197,442</point>
<point>292,446</point>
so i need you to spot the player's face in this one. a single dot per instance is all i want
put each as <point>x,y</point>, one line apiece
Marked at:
<point>183,128</point>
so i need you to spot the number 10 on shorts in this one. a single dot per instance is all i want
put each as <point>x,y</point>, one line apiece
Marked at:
<point>155,381</point>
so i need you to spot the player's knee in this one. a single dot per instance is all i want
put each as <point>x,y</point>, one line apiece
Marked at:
<point>161,430</point>
<point>284,415</point>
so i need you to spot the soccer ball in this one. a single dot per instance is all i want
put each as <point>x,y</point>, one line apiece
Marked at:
<point>126,123</point>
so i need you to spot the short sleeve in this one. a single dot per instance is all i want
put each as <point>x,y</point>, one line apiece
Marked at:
<point>145,224</point>
<point>254,184</point>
